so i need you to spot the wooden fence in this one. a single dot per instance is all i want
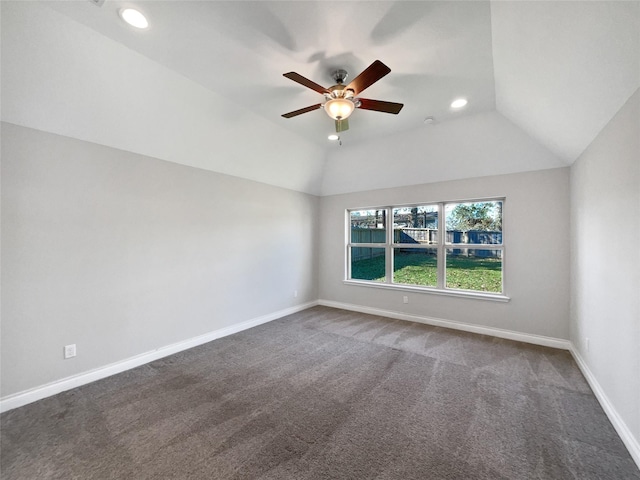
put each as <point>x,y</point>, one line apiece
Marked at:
<point>424,236</point>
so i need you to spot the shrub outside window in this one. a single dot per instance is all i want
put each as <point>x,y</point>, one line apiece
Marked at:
<point>443,246</point>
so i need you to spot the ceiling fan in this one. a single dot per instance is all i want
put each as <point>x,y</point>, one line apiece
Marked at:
<point>341,100</point>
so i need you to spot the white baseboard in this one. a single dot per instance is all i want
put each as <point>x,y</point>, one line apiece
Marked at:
<point>28,396</point>
<point>625,434</point>
<point>467,327</point>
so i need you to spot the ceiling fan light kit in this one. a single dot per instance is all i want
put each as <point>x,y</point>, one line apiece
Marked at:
<point>340,100</point>
<point>339,108</point>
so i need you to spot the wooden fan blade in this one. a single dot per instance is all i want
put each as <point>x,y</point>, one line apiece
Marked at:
<point>302,110</point>
<point>296,77</point>
<point>380,106</point>
<point>368,77</point>
<point>342,125</point>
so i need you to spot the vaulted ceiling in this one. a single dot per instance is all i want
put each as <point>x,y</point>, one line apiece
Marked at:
<point>541,78</point>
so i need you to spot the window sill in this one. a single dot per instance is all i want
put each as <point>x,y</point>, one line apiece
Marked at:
<point>494,297</point>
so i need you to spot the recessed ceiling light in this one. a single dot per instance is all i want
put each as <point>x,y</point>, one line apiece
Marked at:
<point>333,136</point>
<point>134,18</point>
<point>459,103</point>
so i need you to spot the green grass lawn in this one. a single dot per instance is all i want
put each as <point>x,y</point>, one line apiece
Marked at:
<point>467,273</point>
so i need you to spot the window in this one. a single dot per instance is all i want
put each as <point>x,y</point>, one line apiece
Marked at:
<point>415,233</point>
<point>368,239</point>
<point>454,247</point>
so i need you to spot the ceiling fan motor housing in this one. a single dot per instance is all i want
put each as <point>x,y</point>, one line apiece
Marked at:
<point>339,91</point>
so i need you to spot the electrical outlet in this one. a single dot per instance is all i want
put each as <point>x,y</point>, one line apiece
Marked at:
<point>405,299</point>
<point>70,351</point>
<point>295,293</point>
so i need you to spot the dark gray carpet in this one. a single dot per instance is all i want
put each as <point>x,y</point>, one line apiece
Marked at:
<point>327,394</point>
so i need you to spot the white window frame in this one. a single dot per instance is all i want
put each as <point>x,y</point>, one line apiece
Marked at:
<point>441,247</point>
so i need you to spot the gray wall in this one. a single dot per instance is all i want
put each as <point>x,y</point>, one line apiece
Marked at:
<point>63,77</point>
<point>605,282</point>
<point>122,253</point>
<point>536,268</point>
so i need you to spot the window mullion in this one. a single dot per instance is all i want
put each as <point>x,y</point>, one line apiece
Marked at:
<point>388,247</point>
<point>441,247</point>
<point>347,243</point>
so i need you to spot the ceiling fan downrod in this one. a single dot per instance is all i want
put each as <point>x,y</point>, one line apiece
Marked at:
<point>339,76</point>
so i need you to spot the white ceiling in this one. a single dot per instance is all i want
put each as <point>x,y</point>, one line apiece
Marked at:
<point>558,71</point>
<point>563,69</point>
<point>437,51</point>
